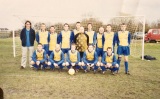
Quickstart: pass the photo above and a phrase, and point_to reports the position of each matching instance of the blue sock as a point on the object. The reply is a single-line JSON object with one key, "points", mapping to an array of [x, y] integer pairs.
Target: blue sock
{"points": [[95, 67], [118, 62], [126, 66], [103, 68], [84, 67]]}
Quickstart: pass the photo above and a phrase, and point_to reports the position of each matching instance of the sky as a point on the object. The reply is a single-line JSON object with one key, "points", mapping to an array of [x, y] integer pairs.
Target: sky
{"points": [[13, 13]]}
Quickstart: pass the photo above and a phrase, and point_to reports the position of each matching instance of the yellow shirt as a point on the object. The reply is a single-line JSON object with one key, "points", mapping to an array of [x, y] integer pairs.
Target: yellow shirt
{"points": [[53, 41], [57, 55], [123, 38], [90, 55], [76, 31], [73, 56], [66, 39], [108, 40], [91, 35], [39, 55], [43, 37], [109, 59], [99, 40]]}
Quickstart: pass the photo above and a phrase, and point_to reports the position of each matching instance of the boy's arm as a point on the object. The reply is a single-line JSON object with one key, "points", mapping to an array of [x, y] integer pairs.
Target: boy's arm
{"points": [[62, 59], [37, 37], [34, 56], [51, 57]]}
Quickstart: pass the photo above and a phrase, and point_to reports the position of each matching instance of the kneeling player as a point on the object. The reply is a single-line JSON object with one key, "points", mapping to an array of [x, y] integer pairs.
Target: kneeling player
{"points": [[90, 58], [109, 61], [56, 58], [73, 58], [39, 57]]}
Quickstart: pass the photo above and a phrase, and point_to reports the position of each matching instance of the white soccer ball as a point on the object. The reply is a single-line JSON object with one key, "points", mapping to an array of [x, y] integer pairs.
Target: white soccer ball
{"points": [[71, 71]]}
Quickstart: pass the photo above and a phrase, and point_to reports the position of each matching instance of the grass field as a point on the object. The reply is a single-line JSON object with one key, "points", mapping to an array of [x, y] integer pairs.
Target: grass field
{"points": [[143, 83]]}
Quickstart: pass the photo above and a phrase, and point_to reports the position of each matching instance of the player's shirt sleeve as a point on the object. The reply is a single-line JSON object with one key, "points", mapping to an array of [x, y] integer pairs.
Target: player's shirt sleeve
{"points": [[68, 58], [51, 57], [95, 58], [72, 37], [129, 38], [103, 59], [84, 58], [34, 56], [94, 38], [37, 37], [60, 38], [48, 39], [62, 59], [78, 60]]}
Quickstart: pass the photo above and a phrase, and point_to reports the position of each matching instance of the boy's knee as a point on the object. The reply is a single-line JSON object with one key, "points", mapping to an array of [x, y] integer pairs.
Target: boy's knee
{"points": [[32, 62]]}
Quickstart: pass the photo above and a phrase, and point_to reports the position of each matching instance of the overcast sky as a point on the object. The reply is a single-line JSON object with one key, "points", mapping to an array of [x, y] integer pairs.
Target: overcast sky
{"points": [[13, 14]]}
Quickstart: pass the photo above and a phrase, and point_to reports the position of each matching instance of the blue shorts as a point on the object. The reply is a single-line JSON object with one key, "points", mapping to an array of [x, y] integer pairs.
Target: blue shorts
{"points": [[65, 50], [123, 50], [99, 51], [49, 53]]}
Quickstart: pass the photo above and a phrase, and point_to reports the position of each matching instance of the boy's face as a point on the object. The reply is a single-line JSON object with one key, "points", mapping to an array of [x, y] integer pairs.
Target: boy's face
{"points": [[57, 47], [82, 29], [52, 29], [109, 51], [108, 28], [39, 47], [89, 26], [78, 25], [66, 27], [90, 48], [101, 30], [43, 27], [123, 27], [28, 25], [73, 47]]}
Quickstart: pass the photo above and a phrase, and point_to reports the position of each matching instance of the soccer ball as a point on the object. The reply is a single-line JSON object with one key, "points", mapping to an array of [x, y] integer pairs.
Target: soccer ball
{"points": [[71, 71]]}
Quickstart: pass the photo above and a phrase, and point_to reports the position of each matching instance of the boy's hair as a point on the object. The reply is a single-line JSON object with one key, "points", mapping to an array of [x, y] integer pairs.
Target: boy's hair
{"points": [[73, 44], [43, 24], [109, 48], [109, 25], [52, 26], [89, 23], [123, 24], [40, 44], [78, 22], [28, 22], [66, 24]]}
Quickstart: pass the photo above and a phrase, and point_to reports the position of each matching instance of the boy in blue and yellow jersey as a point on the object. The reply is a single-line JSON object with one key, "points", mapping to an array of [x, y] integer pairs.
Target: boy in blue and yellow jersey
{"points": [[43, 37], [66, 38], [91, 34], [108, 38], [99, 48], [109, 61], [39, 57], [123, 39], [53, 40], [56, 58], [90, 59], [77, 30], [73, 58]]}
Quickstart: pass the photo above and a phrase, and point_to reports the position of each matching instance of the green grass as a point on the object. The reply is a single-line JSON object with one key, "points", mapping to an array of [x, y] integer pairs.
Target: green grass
{"points": [[143, 83]]}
